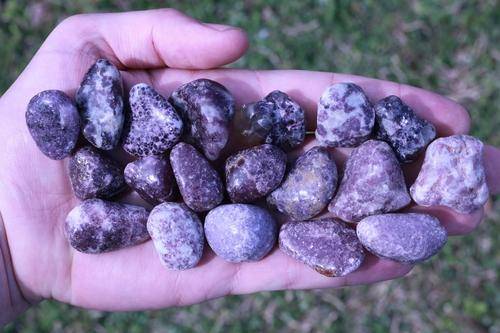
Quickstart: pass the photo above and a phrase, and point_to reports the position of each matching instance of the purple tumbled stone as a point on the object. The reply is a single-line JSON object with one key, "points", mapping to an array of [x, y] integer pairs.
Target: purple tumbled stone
{"points": [[329, 246], [373, 183], [97, 226], [253, 173], [54, 123], [200, 185], [407, 238], [452, 175], [240, 232]]}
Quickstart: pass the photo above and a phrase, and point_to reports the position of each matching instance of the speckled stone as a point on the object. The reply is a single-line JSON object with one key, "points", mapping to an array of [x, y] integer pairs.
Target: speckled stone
{"points": [[407, 238], [373, 183], [97, 226], [100, 102], [240, 232], [94, 175], [177, 234], [399, 126], [276, 119], [452, 175], [153, 125], [253, 173], [54, 123], [152, 178], [345, 116], [206, 107], [308, 187], [200, 185], [327, 245]]}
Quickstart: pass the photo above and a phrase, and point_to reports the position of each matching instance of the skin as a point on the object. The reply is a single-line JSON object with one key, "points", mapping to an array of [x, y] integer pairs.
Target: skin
{"points": [[163, 48]]}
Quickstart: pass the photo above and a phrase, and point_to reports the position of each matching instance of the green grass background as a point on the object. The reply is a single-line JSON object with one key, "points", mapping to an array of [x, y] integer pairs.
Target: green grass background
{"points": [[448, 46]]}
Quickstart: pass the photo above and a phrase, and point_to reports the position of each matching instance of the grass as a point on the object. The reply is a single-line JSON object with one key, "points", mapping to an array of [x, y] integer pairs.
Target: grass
{"points": [[448, 46]]}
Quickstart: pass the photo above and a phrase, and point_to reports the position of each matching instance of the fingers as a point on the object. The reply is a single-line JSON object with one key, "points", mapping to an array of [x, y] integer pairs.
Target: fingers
{"points": [[492, 166]]}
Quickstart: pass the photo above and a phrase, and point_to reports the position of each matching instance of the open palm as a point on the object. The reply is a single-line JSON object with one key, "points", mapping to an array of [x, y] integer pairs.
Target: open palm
{"points": [[164, 48]]}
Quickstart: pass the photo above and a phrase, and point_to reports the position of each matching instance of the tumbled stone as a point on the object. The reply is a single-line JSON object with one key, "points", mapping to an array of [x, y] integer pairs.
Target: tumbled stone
{"points": [[373, 183], [399, 126], [100, 102], [452, 175], [152, 178], [329, 246], [153, 125], [97, 226], [94, 175], [276, 119], [407, 238], [345, 116], [253, 173], [177, 235], [308, 187], [54, 123], [240, 232], [200, 185], [206, 107]]}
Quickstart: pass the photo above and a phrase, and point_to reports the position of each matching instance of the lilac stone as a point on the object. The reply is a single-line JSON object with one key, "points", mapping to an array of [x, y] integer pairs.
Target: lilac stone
{"points": [[373, 183], [407, 238], [345, 116], [54, 123], [329, 246], [240, 232], [97, 226], [177, 234]]}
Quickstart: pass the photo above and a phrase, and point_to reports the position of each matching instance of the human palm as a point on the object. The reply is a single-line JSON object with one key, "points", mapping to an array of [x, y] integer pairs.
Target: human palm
{"points": [[164, 49]]}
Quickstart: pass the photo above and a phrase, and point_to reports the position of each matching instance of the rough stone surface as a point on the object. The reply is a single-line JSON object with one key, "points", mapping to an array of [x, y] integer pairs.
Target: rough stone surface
{"points": [[153, 126], [97, 226], [206, 107], [94, 175], [373, 183], [100, 102], [152, 178], [276, 119], [308, 187], [240, 232], [452, 175], [345, 116], [200, 185], [54, 123], [398, 125], [407, 238], [177, 234], [326, 245], [253, 173]]}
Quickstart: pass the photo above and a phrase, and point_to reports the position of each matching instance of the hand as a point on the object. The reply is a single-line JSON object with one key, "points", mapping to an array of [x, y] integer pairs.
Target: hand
{"points": [[164, 48]]}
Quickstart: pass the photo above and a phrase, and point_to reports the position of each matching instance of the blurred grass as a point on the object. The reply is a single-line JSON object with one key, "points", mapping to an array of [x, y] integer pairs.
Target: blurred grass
{"points": [[452, 47]]}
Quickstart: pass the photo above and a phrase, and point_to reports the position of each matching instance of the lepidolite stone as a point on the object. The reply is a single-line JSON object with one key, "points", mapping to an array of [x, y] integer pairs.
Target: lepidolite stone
{"points": [[100, 102], [152, 178], [200, 185], [54, 123], [97, 226], [153, 126], [407, 238], [345, 116], [373, 183], [253, 173], [206, 107], [276, 119], [452, 175], [308, 187], [94, 175], [398, 125], [240, 232], [327, 245], [177, 234]]}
